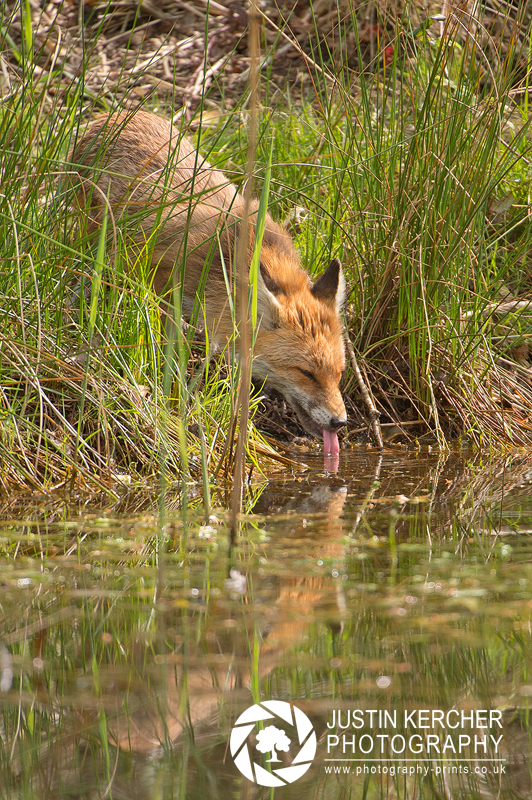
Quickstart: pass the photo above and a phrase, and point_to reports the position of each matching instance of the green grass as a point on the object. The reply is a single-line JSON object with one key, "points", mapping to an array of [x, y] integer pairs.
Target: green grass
{"points": [[400, 171]]}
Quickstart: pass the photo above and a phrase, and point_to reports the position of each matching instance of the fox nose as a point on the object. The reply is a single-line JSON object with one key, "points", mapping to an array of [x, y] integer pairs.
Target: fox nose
{"points": [[335, 423]]}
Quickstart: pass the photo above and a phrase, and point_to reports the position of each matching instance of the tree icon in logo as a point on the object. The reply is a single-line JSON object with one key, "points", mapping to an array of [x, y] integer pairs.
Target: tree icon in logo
{"points": [[271, 738]]}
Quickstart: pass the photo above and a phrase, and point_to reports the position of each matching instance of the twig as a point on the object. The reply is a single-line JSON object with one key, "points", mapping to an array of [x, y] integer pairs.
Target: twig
{"points": [[373, 413], [204, 79], [500, 308]]}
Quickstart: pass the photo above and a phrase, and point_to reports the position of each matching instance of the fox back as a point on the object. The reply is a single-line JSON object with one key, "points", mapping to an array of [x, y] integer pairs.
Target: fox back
{"points": [[165, 196]]}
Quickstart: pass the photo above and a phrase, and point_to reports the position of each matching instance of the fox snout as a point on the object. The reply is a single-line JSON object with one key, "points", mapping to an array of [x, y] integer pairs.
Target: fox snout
{"points": [[335, 423], [315, 416]]}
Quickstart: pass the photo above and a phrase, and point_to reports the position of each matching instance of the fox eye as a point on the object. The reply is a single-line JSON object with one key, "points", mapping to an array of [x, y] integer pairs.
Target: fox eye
{"points": [[308, 374]]}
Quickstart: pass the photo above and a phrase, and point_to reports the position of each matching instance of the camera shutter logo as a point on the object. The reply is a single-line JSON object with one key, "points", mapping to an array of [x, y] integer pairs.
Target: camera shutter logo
{"points": [[272, 739]]}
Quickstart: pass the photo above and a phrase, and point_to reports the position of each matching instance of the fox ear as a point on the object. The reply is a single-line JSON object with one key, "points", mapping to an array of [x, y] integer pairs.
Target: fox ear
{"points": [[267, 304], [330, 286]]}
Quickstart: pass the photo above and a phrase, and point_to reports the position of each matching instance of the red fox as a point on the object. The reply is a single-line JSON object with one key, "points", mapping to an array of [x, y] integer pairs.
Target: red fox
{"points": [[158, 186]]}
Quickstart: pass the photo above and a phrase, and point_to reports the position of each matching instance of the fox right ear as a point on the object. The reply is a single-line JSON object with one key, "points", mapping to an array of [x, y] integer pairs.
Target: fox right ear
{"points": [[330, 286]]}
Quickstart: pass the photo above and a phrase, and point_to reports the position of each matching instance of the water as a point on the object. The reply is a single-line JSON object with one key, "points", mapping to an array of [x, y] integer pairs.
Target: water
{"points": [[389, 602]]}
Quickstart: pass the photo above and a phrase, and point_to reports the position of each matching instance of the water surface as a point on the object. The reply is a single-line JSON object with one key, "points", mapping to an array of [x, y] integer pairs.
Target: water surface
{"points": [[131, 644]]}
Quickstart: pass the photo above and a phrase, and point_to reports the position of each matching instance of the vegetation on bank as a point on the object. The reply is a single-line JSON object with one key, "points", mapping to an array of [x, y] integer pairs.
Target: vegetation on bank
{"points": [[414, 171]]}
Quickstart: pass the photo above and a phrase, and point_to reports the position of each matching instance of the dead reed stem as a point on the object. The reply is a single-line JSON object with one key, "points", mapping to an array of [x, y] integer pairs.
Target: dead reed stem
{"points": [[242, 314], [373, 413]]}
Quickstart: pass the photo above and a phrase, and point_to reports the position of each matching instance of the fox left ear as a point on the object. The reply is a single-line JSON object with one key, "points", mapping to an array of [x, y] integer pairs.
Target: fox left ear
{"points": [[330, 286], [267, 303]]}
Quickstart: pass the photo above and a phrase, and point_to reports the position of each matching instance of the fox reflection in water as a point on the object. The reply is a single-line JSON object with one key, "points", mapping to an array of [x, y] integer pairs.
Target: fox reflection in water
{"points": [[218, 666], [196, 691]]}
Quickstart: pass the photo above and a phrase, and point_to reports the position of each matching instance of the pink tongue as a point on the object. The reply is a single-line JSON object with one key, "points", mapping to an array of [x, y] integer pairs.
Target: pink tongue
{"points": [[330, 443]]}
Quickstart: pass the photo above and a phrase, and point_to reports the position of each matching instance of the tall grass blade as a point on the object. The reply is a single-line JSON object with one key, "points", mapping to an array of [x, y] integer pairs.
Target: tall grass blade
{"points": [[259, 234]]}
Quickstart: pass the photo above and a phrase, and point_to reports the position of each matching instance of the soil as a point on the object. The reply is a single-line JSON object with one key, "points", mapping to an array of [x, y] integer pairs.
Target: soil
{"points": [[179, 48]]}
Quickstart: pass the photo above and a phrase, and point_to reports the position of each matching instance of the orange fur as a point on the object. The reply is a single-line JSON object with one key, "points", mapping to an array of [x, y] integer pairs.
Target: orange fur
{"points": [[162, 192]]}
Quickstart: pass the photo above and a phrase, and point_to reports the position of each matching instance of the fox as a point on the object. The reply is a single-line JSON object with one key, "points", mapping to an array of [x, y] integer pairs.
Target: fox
{"points": [[157, 186]]}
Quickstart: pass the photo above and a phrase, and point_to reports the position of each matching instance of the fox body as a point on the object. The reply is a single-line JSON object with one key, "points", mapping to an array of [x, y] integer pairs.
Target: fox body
{"points": [[160, 189]]}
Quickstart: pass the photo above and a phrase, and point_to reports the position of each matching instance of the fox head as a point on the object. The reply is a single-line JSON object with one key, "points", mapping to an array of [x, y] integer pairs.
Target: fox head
{"points": [[299, 347]]}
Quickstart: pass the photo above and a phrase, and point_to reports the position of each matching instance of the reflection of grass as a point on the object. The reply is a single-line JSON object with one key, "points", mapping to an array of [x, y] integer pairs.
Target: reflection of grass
{"points": [[115, 638], [401, 174]]}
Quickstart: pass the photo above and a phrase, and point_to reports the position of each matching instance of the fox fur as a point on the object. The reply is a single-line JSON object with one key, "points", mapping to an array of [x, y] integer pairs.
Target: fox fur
{"points": [[164, 195]]}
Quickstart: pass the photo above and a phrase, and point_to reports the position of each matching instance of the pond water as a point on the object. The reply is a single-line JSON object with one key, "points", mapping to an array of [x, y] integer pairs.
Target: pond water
{"points": [[387, 606]]}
